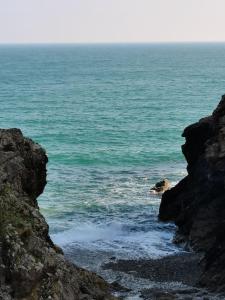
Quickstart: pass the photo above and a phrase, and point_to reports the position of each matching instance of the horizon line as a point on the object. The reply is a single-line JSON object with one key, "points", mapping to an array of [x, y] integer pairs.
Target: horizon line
{"points": [[112, 43]]}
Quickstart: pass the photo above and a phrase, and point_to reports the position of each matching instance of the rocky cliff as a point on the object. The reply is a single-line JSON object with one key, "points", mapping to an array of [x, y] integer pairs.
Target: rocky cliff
{"points": [[31, 266], [197, 203]]}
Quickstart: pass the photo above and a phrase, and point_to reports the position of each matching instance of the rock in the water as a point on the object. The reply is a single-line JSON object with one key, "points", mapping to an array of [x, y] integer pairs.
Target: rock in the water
{"points": [[161, 186], [197, 203], [31, 266]]}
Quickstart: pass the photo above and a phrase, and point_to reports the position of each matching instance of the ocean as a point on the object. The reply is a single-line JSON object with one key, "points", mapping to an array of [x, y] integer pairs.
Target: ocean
{"points": [[110, 118]]}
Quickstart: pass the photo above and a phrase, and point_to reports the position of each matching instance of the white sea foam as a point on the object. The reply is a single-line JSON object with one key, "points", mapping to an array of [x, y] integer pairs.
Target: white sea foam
{"points": [[121, 220], [115, 238]]}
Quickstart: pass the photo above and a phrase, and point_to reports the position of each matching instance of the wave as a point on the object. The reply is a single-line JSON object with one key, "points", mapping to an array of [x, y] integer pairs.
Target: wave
{"points": [[124, 241]]}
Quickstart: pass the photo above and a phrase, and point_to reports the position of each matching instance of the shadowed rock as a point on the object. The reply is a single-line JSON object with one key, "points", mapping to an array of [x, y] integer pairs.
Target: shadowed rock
{"points": [[197, 203], [31, 266]]}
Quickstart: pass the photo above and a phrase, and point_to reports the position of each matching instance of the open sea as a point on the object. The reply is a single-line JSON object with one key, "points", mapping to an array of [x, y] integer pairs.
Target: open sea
{"points": [[110, 118]]}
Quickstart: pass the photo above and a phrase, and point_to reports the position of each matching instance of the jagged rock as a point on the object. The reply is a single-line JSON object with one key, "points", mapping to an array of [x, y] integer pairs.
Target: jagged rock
{"points": [[197, 203], [31, 266], [161, 186]]}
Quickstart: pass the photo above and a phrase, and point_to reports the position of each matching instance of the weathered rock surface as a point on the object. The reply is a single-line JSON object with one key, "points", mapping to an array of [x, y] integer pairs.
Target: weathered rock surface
{"points": [[197, 203], [31, 266], [161, 186]]}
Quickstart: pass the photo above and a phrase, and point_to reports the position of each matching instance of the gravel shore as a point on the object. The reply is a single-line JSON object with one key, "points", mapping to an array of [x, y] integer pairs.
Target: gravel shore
{"points": [[176, 276]]}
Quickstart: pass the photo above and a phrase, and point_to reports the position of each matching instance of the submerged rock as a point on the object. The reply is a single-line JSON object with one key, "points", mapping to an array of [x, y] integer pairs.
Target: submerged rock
{"points": [[31, 266], [161, 186], [197, 203]]}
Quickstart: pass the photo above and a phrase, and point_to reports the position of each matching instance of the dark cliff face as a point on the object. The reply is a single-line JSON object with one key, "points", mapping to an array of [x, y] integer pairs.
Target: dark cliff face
{"points": [[31, 266], [197, 203]]}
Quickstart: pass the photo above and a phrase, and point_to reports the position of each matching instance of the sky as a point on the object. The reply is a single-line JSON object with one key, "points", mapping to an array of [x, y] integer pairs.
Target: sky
{"points": [[111, 21]]}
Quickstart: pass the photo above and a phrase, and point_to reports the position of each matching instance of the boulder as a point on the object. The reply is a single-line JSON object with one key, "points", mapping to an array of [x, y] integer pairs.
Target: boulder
{"points": [[197, 203], [161, 186], [31, 266]]}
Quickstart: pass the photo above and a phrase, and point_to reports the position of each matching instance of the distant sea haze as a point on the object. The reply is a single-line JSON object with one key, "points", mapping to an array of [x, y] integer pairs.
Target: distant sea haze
{"points": [[110, 118]]}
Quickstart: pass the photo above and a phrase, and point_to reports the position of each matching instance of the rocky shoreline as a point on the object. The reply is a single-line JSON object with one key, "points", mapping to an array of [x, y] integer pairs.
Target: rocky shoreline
{"points": [[31, 266], [169, 278], [197, 206], [197, 203]]}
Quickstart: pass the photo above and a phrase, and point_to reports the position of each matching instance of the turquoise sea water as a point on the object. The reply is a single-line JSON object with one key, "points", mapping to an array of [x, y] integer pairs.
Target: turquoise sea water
{"points": [[110, 118]]}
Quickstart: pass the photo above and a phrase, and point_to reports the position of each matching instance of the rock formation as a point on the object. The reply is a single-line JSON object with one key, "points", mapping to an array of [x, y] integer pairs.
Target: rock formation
{"points": [[197, 203], [31, 266], [161, 186]]}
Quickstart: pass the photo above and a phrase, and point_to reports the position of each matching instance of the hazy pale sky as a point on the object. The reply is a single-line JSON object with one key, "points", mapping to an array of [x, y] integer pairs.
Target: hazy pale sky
{"points": [[86, 21]]}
